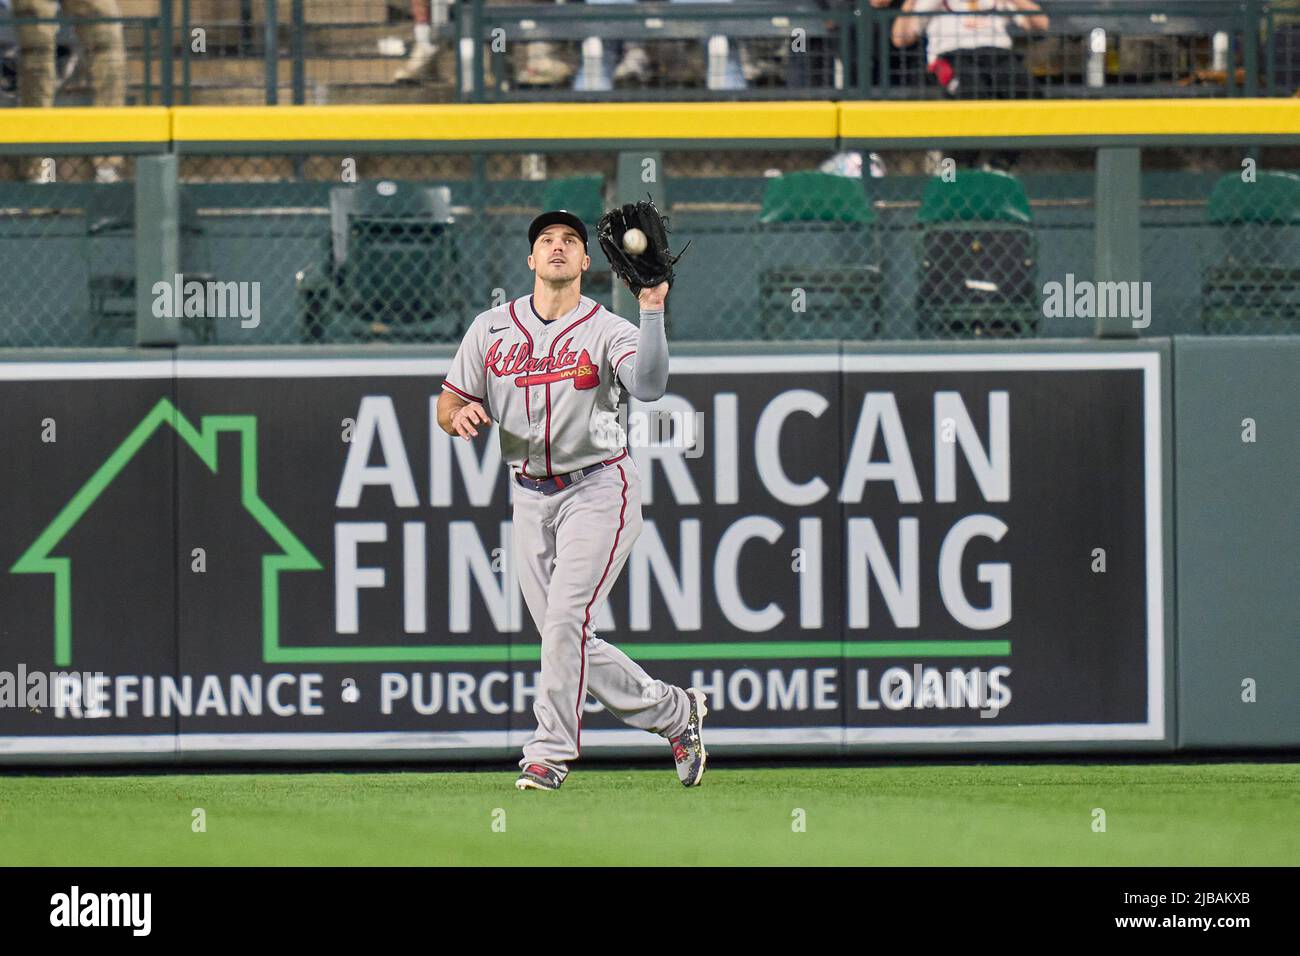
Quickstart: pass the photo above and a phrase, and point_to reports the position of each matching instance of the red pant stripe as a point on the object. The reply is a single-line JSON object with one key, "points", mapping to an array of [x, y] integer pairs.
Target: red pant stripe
{"points": [[586, 619]]}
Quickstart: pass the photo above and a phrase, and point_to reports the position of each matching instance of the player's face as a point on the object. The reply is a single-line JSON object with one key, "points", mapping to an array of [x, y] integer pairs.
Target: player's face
{"points": [[559, 255]]}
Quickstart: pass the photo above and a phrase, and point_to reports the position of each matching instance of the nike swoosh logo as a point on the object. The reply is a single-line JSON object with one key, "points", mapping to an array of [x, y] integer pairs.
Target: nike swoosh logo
{"points": [[502, 329]]}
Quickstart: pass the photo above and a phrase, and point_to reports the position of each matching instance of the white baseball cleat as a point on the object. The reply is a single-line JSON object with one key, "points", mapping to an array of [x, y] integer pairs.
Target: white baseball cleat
{"points": [[688, 747], [537, 776]]}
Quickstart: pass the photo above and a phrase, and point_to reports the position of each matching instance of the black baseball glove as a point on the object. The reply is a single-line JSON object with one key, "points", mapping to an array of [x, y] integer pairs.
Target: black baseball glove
{"points": [[646, 269]]}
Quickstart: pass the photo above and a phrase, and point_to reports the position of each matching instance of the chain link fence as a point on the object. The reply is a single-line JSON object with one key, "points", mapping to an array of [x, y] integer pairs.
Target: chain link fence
{"points": [[67, 244], [1221, 242], [786, 245]]}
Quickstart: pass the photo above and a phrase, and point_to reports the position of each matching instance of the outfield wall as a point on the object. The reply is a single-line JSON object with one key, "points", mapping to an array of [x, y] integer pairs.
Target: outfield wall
{"points": [[1056, 547], [1238, 531]]}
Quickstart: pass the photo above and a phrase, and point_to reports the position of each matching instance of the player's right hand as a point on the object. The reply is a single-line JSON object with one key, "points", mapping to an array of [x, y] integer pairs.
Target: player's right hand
{"points": [[466, 417]]}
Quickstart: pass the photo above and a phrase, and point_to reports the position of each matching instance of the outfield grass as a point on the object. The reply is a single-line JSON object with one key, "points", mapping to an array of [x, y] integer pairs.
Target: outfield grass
{"points": [[1160, 814]]}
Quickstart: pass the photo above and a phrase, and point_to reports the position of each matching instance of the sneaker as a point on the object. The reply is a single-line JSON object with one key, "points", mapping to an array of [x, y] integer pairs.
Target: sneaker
{"points": [[541, 68], [634, 67], [419, 66], [538, 776], [688, 748], [758, 68]]}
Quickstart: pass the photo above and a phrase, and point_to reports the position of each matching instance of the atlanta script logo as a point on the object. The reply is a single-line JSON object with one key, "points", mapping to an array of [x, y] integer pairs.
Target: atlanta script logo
{"points": [[529, 372]]}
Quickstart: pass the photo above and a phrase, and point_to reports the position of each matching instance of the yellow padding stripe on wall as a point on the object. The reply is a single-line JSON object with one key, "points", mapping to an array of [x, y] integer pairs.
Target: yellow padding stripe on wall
{"points": [[653, 121], [506, 121], [87, 124], [1070, 118]]}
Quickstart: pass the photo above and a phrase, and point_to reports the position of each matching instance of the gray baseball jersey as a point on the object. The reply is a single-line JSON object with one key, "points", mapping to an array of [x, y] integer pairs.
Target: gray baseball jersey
{"points": [[552, 387]]}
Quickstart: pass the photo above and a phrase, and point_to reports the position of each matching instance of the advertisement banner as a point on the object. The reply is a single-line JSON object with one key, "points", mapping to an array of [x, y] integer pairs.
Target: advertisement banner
{"points": [[213, 557]]}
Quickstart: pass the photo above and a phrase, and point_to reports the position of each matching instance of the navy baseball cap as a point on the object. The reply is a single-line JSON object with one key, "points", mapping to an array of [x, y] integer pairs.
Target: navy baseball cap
{"points": [[556, 217]]}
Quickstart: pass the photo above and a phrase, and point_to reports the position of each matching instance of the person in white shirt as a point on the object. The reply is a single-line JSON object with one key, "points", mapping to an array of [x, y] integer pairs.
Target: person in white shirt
{"points": [[904, 65], [969, 51]]}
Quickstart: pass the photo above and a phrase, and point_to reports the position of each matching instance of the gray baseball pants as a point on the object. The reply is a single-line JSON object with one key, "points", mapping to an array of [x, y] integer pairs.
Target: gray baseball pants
{"points": [[569, 549]]}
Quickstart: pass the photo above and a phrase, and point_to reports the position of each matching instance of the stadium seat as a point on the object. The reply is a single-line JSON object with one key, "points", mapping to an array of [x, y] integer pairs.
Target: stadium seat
{"points": [[1255, 284], [978, 258], [815, 234], [391, 271]]}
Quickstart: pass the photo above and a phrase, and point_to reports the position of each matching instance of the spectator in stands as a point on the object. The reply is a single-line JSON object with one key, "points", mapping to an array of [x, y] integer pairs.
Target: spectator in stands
{"points": [[728, 63], [969, 52], [541, 63], [633, 67], [102, 44], [534, 64], [723, 66], [65, 57], [1286, 45], [905, 65], [420, 65]]}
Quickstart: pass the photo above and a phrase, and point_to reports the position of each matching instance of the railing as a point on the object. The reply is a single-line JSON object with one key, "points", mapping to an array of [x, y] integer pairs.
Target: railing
{"points": [[703, 49], [142, 40], [328, 52]]}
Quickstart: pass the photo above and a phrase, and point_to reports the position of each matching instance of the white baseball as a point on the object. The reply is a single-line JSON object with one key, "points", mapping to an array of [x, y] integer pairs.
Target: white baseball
{"points": [[634, 242]]}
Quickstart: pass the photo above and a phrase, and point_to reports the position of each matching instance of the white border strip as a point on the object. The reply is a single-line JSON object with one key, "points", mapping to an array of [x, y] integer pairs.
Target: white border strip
{"points": [[97, 744], [1000, 361], [395, 740], [1154, 479], [311, 368], [911, 362], [164, 368], [1012, 733], [377, 740], [742, 364], [592, 739], [59, 371]]}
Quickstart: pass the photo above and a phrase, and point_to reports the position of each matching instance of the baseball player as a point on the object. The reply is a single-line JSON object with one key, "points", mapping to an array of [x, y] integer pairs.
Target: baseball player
{"points": [[549, 369]]}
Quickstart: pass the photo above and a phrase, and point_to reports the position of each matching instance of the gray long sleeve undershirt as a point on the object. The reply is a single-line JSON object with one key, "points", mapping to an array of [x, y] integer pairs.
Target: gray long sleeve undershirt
{"points": [[645, 374]]}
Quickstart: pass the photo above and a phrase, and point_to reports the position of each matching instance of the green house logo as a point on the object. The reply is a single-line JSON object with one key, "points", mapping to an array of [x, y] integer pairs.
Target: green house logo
{"points": [[291, 556]]}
